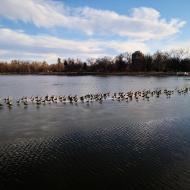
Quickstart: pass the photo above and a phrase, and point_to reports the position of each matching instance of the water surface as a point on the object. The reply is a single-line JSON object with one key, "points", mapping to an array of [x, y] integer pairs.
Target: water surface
{"points": [[135, 145]]}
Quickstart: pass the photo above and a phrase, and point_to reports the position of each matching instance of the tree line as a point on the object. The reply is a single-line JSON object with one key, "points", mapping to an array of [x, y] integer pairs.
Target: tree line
{"points": [[171, 61]]}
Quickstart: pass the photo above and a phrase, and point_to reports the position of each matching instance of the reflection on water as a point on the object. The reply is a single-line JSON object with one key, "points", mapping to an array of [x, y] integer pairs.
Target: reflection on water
{"points": [[41, 85], [135, 145]]}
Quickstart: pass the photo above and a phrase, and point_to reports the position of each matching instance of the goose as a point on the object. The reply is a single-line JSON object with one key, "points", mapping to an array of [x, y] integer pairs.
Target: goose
{"points": [[9, 103], [38, 102], [1, 104], [18, 102]]}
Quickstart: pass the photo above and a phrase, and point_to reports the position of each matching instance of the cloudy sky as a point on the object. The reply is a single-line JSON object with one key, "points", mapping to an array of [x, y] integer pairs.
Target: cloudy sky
{"points": [[47, 29]]}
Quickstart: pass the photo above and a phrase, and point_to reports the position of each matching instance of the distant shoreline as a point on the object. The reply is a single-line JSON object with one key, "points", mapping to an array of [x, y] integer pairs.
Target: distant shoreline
{"points": [[100, 74]]}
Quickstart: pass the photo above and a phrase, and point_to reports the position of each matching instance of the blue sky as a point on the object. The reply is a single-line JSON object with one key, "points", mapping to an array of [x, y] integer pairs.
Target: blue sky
{"points": [[47, 29]]}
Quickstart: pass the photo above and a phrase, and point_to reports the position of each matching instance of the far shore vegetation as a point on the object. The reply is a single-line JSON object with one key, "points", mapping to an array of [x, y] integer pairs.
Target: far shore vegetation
{"points": [[125, 63]]}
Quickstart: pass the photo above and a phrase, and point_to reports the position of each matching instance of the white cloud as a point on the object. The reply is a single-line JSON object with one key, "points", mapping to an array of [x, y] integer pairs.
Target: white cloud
{"points": [[143, 23], [185, 45], [17, 44], [139, 28]]}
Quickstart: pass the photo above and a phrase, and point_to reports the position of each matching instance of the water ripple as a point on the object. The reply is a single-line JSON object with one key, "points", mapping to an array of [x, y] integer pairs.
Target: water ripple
{"points": [[125, 154]]}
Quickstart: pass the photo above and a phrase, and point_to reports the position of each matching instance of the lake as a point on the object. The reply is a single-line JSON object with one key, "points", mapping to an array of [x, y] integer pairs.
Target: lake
{"points": [[122, 145]]}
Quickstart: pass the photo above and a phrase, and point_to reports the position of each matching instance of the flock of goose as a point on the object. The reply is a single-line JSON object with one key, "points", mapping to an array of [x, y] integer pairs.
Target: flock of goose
{"points": [[99, 97]]}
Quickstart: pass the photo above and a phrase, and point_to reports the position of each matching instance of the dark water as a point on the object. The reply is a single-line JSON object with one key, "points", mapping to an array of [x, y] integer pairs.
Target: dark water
{"points": [[135, 145]]}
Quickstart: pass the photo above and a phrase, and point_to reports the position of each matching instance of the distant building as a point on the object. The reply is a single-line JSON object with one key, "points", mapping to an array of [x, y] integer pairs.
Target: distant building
{"points": [[137, 61], [137, 57]]}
